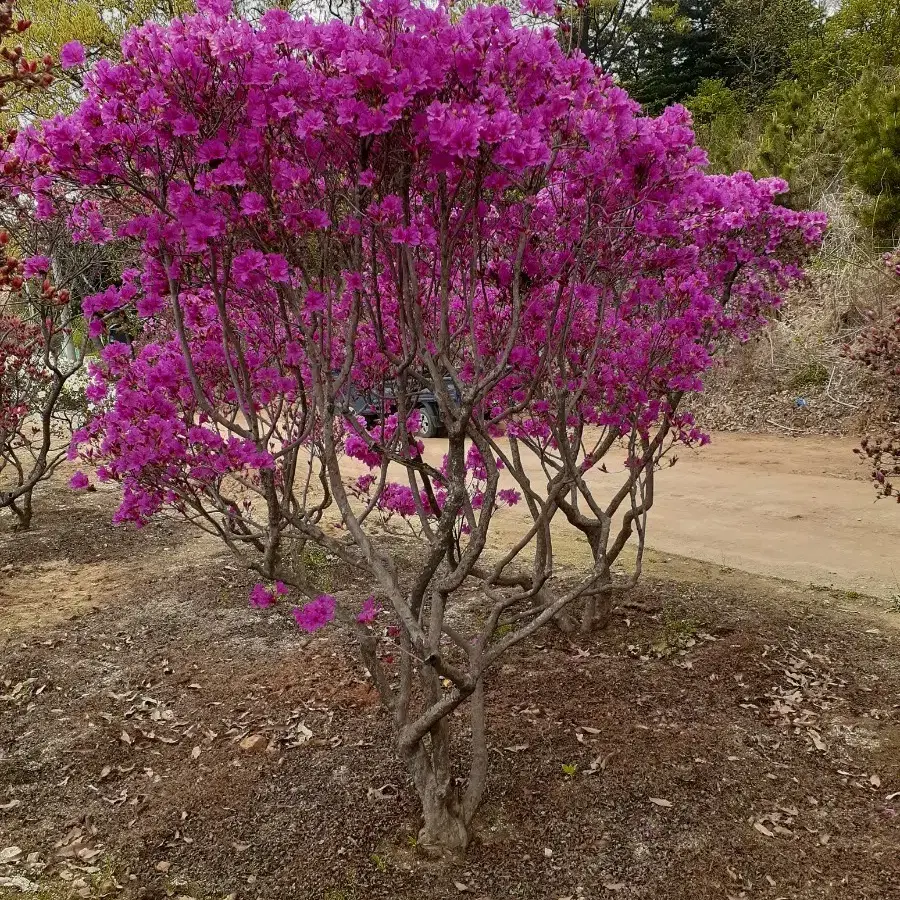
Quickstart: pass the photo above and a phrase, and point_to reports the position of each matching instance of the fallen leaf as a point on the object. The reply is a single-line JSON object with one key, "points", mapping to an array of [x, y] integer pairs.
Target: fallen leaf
{"points": [[658, 801], [195, 753], [126, 738], [763, 830], [462, 888], [516, 748], [893, 796], [875, 781], [5, 807], [615, 885], [587, 729], [385, 792], [253, 743], [818, 743], [163, 866]]}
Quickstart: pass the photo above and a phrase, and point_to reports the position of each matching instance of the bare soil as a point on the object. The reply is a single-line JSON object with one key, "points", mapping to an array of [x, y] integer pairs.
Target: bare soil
{"points": [[739, 737]]}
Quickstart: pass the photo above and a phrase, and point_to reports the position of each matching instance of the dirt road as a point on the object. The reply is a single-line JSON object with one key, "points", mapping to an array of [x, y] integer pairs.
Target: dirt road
{"points": [[796, 508]]}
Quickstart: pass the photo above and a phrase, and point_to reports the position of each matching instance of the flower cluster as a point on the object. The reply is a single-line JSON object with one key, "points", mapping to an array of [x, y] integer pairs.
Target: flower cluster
{"points": [[316, 614]]}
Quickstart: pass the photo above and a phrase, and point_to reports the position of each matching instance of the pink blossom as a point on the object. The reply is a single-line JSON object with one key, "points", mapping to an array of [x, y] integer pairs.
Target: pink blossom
{"points": [[261, 596], [79, 481], [71, 55], [539, 7], [227, 208], [369, 611], [314, 301], [35, 265], [316, 614], [252, 204]]}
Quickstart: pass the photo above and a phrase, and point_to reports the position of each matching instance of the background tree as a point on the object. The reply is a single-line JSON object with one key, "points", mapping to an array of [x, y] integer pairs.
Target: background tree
{"points": [[38, 356], [674, 47], [98, 25], [721, 122], [872, 114], [763, 36]]}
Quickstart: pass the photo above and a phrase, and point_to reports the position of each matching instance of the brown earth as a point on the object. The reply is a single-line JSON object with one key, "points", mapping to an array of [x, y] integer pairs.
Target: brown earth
{"points": [[740, 739]]}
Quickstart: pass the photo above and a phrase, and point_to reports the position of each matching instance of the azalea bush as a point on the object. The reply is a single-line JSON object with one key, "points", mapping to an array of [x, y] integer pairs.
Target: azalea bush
{"points": [[34, 427], [37, 355], [319, 213]]}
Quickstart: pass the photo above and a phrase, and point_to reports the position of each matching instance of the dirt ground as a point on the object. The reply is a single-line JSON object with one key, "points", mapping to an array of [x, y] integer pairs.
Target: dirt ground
{"points": [[740, 738]]}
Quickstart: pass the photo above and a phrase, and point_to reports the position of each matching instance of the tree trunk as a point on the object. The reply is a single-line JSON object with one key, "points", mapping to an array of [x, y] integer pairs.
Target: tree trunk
{"points": [[598, 604], [22, 512], [443, 828], [597, 612], [67, 354]]}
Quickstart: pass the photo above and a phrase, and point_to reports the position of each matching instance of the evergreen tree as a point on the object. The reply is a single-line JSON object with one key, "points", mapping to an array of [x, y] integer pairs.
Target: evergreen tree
{"points": [[874, 163], [677, 46]]}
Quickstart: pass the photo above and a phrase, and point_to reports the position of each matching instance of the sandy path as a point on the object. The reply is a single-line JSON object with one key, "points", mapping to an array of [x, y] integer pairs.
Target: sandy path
{"points": [[796, 508]]}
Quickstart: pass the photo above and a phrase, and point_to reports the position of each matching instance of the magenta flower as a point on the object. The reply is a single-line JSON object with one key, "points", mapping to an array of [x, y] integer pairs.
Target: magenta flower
{"points": [[314, 301], [261, 597], [252, 204], [36, 265], [315, 614], [215, 7], [79, 482], [369, 611], [71, 55], [539, 7]]}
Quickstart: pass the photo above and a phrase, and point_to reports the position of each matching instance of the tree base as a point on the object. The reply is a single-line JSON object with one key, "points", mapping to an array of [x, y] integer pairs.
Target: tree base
{"points": [[443, 835]]}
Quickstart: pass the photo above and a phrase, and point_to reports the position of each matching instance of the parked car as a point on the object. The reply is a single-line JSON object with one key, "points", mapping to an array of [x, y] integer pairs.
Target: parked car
{"points": [[372, 405]]}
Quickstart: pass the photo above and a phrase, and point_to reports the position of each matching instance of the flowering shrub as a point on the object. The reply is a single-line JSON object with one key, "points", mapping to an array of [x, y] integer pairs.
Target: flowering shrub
{"points": [[404, 204], [35, 321], [879, 350], [37, 408]]}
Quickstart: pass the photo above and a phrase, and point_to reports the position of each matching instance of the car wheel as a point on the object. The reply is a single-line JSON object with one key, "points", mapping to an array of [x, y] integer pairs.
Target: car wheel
{"points": [[428, 422]]}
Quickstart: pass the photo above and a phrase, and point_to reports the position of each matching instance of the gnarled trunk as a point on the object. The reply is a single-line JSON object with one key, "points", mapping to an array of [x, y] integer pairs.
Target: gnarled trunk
{"points": [[444, 828], [447, 813], [22, 511]]}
